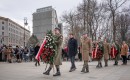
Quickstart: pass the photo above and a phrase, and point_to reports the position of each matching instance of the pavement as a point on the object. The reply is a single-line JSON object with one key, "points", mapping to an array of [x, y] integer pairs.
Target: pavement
{"points": [[27, 71]]}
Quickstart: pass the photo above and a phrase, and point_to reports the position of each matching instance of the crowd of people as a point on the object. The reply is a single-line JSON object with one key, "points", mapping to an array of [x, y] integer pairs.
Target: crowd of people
{"points": [[18, 54], [96, 50], [86, 50]]}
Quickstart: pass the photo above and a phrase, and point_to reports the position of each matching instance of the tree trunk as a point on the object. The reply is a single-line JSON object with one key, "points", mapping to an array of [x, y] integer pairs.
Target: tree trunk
{"points": [[114, 27]]}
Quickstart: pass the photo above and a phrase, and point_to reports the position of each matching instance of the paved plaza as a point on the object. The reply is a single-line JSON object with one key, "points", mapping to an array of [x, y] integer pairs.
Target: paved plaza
{"points": [[27, 71]]}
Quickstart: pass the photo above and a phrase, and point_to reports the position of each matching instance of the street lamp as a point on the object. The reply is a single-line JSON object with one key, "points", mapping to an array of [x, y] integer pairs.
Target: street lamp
{"points": [[25, 24]]}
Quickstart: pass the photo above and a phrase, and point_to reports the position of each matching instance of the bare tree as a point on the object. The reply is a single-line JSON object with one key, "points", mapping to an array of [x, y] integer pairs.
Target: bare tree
{"points": [[123, 22], [98, 19], [69, 19], [87, 11], [113, 6]]}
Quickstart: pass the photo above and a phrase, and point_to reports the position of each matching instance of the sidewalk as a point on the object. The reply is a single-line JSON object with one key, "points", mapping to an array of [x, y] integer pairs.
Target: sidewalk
{"points": [[27, 71]]}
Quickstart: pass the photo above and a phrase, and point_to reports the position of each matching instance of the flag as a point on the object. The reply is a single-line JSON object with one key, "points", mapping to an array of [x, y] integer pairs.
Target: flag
{"points": [[41, 50]]}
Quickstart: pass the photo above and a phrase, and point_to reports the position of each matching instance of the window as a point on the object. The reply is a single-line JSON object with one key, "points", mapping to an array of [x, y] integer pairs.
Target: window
{"points": [[3, 39], [2, 27], [2, 22], [9, 29], [2, 33], [9, 39], [9, 34]]}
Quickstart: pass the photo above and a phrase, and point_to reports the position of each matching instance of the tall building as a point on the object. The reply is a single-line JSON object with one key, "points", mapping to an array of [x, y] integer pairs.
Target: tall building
{"points": [[11, 33], [44, 19]]}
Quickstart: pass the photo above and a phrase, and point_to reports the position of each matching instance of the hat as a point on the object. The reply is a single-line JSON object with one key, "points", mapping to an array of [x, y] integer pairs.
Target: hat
{"points": [[85, 33], [57, 28]]}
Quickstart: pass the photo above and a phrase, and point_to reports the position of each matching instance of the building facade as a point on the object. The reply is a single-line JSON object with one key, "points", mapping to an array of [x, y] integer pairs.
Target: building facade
{"points": [[11, 33], [44, 19]]}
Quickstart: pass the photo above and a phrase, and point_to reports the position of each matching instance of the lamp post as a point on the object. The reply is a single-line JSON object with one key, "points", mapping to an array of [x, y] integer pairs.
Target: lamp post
{"points": [[25, 24]]}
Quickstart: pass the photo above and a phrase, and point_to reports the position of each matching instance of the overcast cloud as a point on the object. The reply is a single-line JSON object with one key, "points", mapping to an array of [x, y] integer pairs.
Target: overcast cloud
{"points": [[18, 9]]}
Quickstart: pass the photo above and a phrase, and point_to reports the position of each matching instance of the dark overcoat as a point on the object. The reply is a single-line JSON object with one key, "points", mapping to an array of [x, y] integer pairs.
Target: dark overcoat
{"points": [[72, 47]]}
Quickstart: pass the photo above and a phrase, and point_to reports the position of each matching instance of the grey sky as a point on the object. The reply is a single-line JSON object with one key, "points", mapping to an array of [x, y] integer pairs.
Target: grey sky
{"points": [[18, 9]]}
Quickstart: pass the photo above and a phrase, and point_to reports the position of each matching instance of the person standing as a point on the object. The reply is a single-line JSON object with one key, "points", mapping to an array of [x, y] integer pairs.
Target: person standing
{"points": [[72, 51], [36, 49], [31, 53], [57, 59], [113, 51], [3, 53], [124, 51], [99, 52], [25, 54], [86, 48], [117, 56], [106, 51], [17, 53], [8, 53]]}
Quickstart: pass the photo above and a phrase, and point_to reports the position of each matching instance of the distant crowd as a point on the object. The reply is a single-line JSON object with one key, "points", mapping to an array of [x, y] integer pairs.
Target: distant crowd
{"points": [[17, 54]]}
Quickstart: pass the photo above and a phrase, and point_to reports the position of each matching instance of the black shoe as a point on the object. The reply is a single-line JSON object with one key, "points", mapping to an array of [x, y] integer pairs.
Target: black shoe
{"points": [[46, 73], [72, 69], [9, 61], [87, 69], [83, 69], [115, 64], [57, 74]]}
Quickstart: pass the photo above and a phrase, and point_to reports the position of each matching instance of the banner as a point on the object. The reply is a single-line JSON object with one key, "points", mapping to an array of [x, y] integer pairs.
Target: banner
{"points": [[41, 50]]}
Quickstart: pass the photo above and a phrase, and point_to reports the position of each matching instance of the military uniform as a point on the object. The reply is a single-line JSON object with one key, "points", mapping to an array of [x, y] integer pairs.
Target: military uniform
{"points": [[99, 54], [106, 51], [58, 41], [117, 56], [124, 51], [86, 48], [57, 59]]}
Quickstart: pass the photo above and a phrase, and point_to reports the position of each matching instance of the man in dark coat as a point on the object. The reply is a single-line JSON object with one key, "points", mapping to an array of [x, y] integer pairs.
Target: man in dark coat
{"points": [[72, 51]]}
